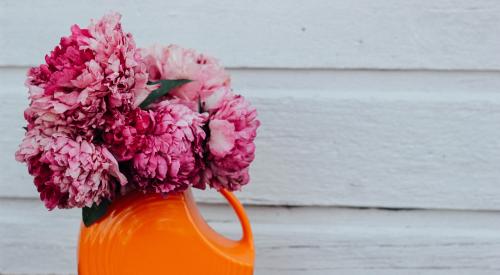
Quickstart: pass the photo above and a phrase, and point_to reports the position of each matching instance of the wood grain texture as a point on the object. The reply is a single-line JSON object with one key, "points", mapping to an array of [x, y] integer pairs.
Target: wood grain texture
{"points": [[353, 139], [381, 34], [288, 240]]}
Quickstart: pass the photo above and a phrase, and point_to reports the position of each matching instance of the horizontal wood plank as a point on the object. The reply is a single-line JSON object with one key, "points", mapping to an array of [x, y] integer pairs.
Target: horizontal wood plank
{"points": [[347, 146], [381, 34], [293, 241]]}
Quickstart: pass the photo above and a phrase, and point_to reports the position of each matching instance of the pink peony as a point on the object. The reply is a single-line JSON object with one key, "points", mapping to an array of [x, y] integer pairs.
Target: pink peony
{"points": [[230, 148], [37, 139], [91, 72], [171, 158], [126, 134], [174, 62], [69, 172]]}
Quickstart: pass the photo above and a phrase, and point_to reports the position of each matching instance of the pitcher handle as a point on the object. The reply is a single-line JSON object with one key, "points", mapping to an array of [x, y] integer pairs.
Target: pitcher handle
{"points": [[247, 237]]}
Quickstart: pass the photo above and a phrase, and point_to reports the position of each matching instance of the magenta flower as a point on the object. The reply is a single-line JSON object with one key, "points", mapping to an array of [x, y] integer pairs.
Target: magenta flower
{"points": [[171, 157], [91, 72], [125, 134], [69, 172], [175, 62], [231, 149]]}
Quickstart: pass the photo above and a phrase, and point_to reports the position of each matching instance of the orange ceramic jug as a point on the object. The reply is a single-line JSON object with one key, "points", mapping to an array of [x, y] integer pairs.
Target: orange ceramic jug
{"points": [[147, 234]]}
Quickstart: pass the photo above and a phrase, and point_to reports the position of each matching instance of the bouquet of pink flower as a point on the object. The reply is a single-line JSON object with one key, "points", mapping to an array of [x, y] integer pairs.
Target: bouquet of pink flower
{"points": [[106, 117]]}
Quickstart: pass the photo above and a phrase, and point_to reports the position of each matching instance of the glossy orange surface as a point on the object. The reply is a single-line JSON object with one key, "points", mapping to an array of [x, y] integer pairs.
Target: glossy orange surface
{"points": [[149, 234]]}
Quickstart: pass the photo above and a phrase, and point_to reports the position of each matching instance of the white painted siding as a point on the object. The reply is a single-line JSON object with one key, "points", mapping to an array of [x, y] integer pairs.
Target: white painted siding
{"points": [[416, 34], [288, 240], [364, 104]]}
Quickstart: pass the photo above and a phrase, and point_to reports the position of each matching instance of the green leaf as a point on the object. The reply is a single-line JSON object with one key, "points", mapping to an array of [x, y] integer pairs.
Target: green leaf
{"points": [[91, 214], [166, 86]]}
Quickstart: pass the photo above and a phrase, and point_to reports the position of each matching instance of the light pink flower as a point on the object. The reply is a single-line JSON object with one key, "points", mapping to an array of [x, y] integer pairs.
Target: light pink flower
{"points": [[231, 149], [69, 172], [91, 72], [37, 139], [171, 158], [174, 62], [216, 99]]}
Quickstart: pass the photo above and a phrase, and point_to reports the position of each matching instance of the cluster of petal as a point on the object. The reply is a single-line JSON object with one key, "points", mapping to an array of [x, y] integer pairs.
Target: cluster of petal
{"points": [[91, 72], [230, 148], [85, 124], [172, 154], [69, 172], [174, 62], [125, 135]]}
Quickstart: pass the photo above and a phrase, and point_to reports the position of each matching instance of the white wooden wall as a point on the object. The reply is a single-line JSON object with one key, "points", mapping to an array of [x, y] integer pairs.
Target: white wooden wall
{"points": [[379, 151]]}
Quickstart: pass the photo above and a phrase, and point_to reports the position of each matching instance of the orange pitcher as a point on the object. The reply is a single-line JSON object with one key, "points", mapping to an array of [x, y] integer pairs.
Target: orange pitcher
{"points": [[147, 234]]}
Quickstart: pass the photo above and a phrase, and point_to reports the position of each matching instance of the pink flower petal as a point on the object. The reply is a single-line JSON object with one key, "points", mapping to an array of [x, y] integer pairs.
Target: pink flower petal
{"points": [[222, 137]]}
